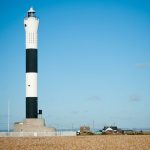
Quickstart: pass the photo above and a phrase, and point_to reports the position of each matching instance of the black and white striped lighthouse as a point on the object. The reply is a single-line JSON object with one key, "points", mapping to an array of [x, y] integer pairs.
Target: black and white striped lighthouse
{"points": [[31, 23], [34, 121]]}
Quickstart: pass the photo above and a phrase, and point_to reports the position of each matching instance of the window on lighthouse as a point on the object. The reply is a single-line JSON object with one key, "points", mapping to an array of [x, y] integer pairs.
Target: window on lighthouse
{"points": [[31, 14]]}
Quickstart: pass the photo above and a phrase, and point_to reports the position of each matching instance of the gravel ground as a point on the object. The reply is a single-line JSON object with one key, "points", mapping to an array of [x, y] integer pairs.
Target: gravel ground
{"points": [[107, 142]]}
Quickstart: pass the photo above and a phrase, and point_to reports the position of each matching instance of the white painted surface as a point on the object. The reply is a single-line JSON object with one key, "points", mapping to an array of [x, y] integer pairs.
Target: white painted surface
{"points": [[31, 10], [31, 84], [31, 27], [37, 134]]}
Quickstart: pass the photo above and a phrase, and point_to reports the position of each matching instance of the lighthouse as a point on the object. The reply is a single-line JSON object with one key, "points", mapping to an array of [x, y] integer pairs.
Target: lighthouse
{"points": [[31, 23], [34, 122]]}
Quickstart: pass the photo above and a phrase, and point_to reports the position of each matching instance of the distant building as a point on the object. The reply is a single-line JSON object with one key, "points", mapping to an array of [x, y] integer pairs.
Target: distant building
{"points": [[84, 129], [129, 132], [110, 129]]}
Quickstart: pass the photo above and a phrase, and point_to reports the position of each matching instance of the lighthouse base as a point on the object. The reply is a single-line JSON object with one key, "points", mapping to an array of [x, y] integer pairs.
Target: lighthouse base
{"points": [[32, 125]]}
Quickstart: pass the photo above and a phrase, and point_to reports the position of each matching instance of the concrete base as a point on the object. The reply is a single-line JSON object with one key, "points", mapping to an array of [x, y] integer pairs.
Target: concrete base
{"points": [[32, 125]]}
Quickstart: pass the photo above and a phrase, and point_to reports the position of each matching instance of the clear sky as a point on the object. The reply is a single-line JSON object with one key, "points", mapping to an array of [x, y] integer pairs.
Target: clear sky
{"points": [[94, 62]]}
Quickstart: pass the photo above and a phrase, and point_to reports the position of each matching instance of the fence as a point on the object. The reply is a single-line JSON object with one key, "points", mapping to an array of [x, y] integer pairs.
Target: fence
{"points": [[37, 134]]}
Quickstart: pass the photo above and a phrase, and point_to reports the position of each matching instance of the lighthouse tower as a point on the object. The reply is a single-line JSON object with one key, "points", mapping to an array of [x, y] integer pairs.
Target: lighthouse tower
{"points": [[34, 121], [31, 23]]}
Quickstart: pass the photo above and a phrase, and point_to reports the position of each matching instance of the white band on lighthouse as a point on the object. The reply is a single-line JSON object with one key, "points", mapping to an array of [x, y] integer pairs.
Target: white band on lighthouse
{"points": [[31, 84], [31, 27]]}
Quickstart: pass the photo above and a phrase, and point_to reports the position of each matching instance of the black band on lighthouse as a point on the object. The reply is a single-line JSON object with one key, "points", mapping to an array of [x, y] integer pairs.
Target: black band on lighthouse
{"points": [[31, 60], [31, 107]]}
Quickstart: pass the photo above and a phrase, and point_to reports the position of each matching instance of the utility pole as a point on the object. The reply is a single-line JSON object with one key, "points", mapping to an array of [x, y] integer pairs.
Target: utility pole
{"points": [[93, 125], [72, 127], [8, 121]]}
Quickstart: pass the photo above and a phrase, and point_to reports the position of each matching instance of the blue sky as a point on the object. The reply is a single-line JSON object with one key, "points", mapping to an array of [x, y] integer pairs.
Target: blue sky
{"points": [[94, 62]]}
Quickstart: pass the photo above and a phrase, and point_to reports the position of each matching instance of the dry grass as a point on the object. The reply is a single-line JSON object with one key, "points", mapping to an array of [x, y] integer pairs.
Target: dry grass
{"points": [[109, 142]]}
